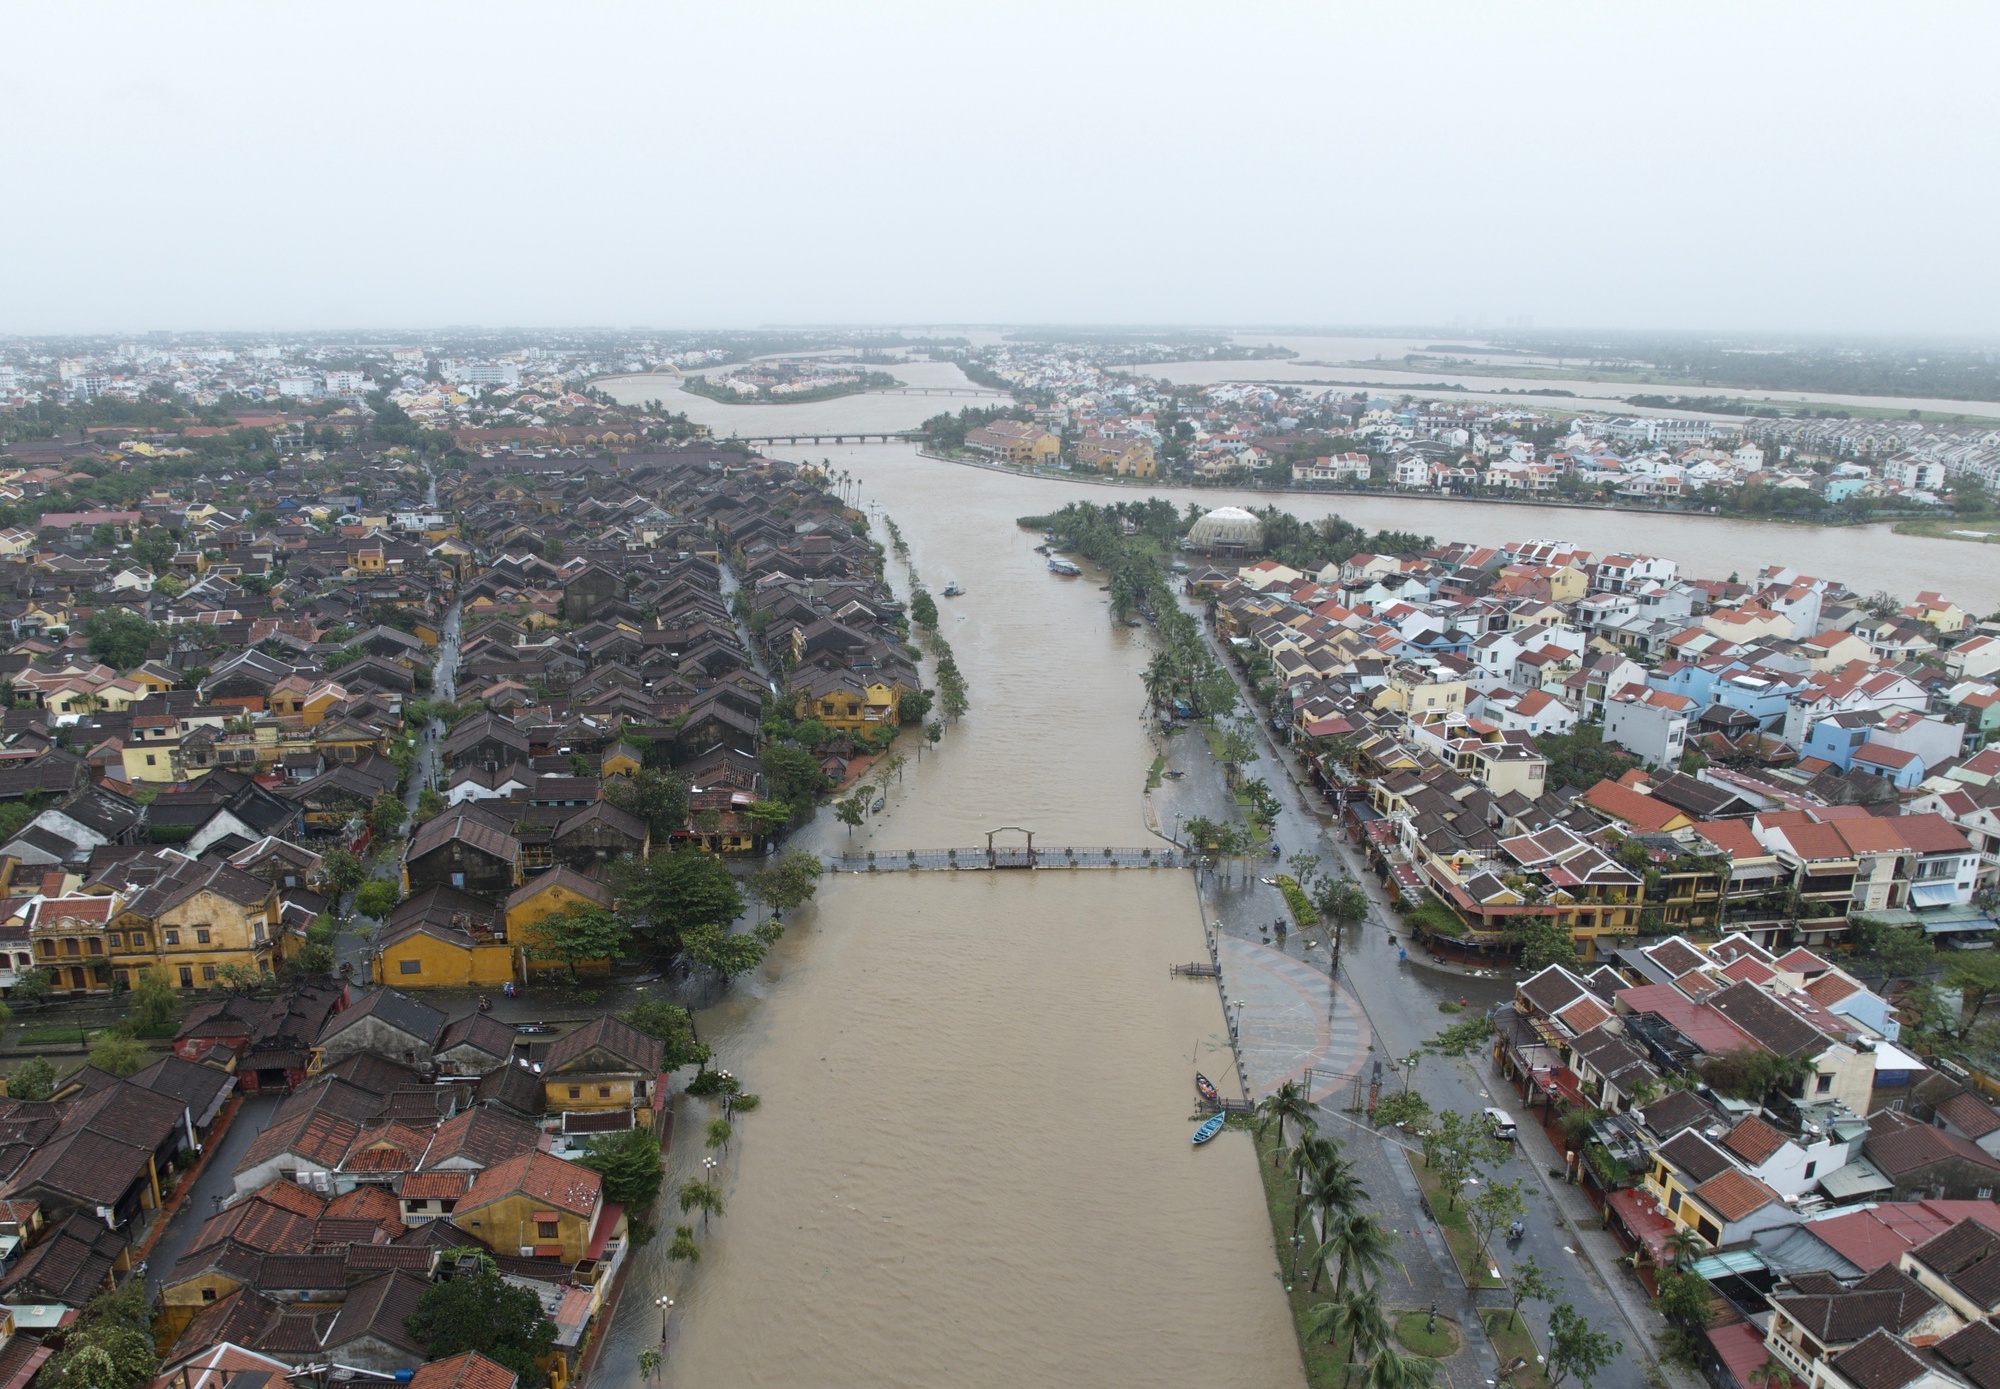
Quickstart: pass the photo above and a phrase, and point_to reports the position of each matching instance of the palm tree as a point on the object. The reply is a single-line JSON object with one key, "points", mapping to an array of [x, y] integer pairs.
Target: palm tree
{"points": [[1355, 1316], [705, 1197], [1361, 1245], [1685, 1245], [684, 1249], [1330, 1191], [1287, 1104], [1771, 1375], [1388, 1370]]}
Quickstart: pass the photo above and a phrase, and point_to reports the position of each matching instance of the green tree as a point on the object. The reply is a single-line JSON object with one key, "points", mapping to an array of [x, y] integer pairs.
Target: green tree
{"points": [[684, 1249], [923, 609], [1684, 1300], [1576, 1351], [578, 934], [309, 960], [33, 1079], [342, 872], [1402, 1107], [793, 774], [1458, 1148], [118, 1054], [1340, 899], [1532, 1280], [720, 1131], [673, 1025], [1581, 758], [705, 1197], [713, 947], [1360, 1245], [385, 815], [1355, 1317], [119, 637], [768, 817], [552, 549], [789, 882], [109, 1346], [850, 810], [659, 798], [1461, 1037], [1498, 1205], [430, 805], [482, 1311], [377, 897], [674, 893], [1286, 1105], [934, 732], [629, 1162], [155, 1006], [1543, 943], [154, 548], [1892, 951]]}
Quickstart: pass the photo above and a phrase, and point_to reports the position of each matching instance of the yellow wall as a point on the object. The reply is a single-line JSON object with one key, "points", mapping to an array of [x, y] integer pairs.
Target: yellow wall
{"points": [[508, 1226], [551, 899], [440, 964], [556, 1090]]}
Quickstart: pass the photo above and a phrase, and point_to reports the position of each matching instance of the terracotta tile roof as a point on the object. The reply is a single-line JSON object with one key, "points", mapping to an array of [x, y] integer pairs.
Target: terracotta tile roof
{"points": [[1753, 1140], [1734, 1195], [1880, 1362], [470, 1370], [1970, 1114], [541, 1177]]}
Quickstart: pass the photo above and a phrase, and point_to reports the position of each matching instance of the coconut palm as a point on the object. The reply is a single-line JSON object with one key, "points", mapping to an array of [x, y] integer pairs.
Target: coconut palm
{"points": [[1388, 1370], [1360, 1244], [1288, 1104], [1356, 1317], [1685, 1246], [1330, 1192]]}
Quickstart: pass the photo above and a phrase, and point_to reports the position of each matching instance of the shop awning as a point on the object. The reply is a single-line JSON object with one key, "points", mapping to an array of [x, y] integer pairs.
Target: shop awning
{"points": [[1643, 1222], [1730, 1261], [1932, 894]]}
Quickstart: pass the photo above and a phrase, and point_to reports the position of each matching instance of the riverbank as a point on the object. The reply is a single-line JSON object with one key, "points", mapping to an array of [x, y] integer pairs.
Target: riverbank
{"points": [[1934, 528], [706, 388]]}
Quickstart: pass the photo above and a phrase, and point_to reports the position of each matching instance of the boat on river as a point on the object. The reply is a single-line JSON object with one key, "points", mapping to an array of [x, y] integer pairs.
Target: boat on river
{"points": [[952, 590], [1063, 568], [1206, 1087], [1209, 1129]]}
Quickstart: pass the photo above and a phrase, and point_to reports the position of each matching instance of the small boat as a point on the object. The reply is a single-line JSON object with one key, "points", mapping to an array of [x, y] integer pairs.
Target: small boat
{"points": [[1063, 568], [1205, 1086], [1041, 549], [533, 1029], [1209, 1129], [952, 590], [880, 801]]}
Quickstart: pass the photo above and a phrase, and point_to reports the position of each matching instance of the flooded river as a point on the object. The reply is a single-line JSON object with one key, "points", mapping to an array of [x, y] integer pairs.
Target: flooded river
{"points": [[971, 1164], [1867, 558]]}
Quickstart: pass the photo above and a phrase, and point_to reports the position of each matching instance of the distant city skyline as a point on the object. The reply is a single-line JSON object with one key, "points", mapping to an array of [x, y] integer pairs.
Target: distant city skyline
{"points": [[1806, 169]]}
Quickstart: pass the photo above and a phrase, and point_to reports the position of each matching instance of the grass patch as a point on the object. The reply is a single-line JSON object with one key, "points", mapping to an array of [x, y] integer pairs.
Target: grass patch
{"points": [[54, 1036], [1511, 1342], [1153, 774], [1326, 1365], [1456, 1229], [1950, 528], [1412, 1329], [1445, 1005]]}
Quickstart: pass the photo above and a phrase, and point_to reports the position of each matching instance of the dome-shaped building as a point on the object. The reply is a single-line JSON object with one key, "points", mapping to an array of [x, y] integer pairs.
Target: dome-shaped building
{"points": [[1227, 529]]}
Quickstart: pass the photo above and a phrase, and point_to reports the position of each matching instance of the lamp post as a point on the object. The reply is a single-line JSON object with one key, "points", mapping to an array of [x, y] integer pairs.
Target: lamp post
{"points": [[666, 1305]]}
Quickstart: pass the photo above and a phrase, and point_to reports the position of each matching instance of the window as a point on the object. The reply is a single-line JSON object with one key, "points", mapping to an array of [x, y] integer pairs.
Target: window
{"points": [[208, 1294], [95, 946], [138, 940], [201, 935], [1823, 1085], [124, 977], [1811, 1168], [458, 880], [173, 937], [70, 947], [604, 1092], [187, 977], [1674, 1201], [576, 1092], [1706, 1229], [149, 759], [545, 1229], [117, 940], [1985, 1193], [208, 974], [410, 966], [46, 947]]}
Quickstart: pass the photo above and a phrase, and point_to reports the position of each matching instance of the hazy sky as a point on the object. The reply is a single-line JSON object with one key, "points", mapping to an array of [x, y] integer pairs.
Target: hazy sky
{"points": [[191, 165]]}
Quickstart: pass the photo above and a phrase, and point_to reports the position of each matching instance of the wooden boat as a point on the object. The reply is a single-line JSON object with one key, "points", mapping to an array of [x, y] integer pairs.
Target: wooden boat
{"points": [[1209, 1128], [1063, 568], [952, 590], [1205, 1086]]}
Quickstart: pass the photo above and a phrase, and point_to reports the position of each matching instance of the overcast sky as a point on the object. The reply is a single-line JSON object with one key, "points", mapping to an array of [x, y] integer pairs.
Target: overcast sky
{"points": [[193, 165]]}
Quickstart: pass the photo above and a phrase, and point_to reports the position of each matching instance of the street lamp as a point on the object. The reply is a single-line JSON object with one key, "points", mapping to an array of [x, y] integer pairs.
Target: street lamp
{"points": [[666, 1305]]}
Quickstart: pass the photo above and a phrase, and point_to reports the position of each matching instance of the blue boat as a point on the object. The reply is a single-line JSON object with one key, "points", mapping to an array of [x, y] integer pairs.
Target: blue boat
{"points": [[1209, 1128]]}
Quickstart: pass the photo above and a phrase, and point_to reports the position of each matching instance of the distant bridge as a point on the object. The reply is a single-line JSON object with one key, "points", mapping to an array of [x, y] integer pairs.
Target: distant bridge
{"points": [[874, 437], [944, 390]]}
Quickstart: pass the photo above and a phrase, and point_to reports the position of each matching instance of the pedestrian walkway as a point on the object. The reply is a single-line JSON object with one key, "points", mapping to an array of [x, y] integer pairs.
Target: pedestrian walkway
{"points": [[1293, 1020]]}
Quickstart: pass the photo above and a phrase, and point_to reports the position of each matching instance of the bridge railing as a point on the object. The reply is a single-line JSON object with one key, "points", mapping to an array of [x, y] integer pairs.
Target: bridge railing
{"points": [[1013, 856]]}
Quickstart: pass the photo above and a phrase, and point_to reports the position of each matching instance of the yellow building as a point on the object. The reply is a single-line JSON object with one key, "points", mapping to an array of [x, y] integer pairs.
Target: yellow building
{"points": [[199, 919], [847, 702], [533, 1206], [1415, 689], [428, 955], [605, 1064], [544, 895]]}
